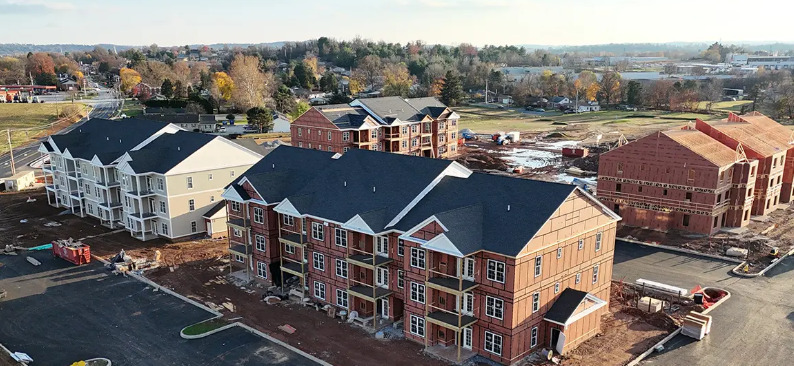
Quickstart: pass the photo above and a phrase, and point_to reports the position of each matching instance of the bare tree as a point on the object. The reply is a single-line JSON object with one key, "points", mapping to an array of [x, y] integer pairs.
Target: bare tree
{"points": [[251, 85]]}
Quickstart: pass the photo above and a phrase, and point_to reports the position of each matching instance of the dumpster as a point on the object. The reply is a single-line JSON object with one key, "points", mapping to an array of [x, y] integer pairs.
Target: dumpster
{"points": [[75, 252]]}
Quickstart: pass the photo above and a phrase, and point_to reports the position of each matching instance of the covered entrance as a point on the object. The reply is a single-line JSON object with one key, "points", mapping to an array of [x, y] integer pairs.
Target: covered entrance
{"points": [[574, 318]]}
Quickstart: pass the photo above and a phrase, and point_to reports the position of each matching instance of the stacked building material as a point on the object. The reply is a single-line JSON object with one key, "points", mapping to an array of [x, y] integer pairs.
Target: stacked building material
{"points": [[696, 325]]}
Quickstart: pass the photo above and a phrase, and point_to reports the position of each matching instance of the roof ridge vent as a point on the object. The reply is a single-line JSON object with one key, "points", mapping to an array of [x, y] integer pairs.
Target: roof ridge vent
{"points": [[178, 148], [345, 183], [274, 165], [508, 208], [373, 189]]}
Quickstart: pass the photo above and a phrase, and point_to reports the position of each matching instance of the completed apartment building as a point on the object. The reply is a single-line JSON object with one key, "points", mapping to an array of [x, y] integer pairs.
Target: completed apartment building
{"points": [[478, 263], [701, 177], [418, 126], [152, 178]]}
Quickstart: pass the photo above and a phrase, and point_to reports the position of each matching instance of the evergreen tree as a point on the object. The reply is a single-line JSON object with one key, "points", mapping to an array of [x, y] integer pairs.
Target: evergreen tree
{"points": [[261, 117], [451, 91], [167, 89]]}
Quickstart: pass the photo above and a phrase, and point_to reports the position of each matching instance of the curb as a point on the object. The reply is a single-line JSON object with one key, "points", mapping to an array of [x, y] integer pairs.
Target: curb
{"points": [[670, 336], [205, 334], [686, 251], [283, 344], [101, 359], [737, 272]]}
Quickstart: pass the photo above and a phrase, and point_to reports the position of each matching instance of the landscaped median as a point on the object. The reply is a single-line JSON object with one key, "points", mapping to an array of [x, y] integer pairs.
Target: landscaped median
{"points": [[205, 328]]}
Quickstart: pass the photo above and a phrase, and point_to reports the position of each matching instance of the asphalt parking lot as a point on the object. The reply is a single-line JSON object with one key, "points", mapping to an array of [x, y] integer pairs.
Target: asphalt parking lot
{"points": [[59, 313]]}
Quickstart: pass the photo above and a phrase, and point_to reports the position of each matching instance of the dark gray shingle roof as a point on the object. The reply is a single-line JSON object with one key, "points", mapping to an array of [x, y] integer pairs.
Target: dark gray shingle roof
{"points": [[167, 150], [565, 305], [343, 115], [392, 107], [428, 105], [108, 139]]}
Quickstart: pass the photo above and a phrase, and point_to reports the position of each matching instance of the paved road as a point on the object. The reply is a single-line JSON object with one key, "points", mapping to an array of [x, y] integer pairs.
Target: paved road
{"points": [[59, 313], [105, 106], [754, 327]]}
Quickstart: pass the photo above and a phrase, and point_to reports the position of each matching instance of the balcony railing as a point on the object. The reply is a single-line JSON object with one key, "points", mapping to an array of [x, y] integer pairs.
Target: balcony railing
{"points": [[367, 292], [143, 215], [109, 205], [239, 223], [671, 204], [453, 285], [394, 136], [104, 184], [141, 193], [449, 319]]}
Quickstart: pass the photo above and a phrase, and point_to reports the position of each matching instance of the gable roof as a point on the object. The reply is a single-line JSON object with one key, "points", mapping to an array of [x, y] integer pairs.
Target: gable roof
{"points": [[395, 107], [428, 105], [166, 151], [107, 139], [214, 210], [703, 145], [757, 136], [564, 309], [344, 116]]}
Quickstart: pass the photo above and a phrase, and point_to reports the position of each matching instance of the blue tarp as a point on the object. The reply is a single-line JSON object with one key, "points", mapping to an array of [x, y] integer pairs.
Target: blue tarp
{"points": [[42, 247]]}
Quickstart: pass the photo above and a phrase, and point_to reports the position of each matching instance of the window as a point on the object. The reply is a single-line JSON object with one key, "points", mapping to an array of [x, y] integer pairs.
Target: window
{"points": [[329, 135], [689, 196], [239, 258], [533, 338], [496, 271], [598, 240], [236, 206], [260, 243], [191, 205], [414, 128], [400, 278], [237, 232], [189, 182], [231, 173], [493, 342], [578, 278], [212, 198], [259, 215], [494, 307], [345, 149], [317, 231], [341, 268], [300, 143], [400, 247], [418, 258], [288, 220], [595, 273], [374, 134], [417, 292], [691, 174], [341, 298], [165, 228], [330, 148], [620, 167], [686, 220], [581, 244], [261, 269], [209, 176], [405, 130], [319, 290], [664, 192], [340, 237], [618, 187], [318, 261], [415, 142], [559, 253], [300, 132], [345, 136], [535, 302], [290, 249], [404, 144], [162, 206], [417, 326], [639, 189], [193, 227], [538, 265], [556, 287]]}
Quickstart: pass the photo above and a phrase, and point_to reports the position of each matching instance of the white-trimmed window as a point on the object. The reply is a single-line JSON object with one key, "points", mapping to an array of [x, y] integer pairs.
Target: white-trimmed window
{"points": [[317, 231], [598, 240], [345, 149], [261, 269], [160, 184], [493, 343], [341, 298], [559, 252], [400, 247], [578, 278], [193, 227], [329, 135], [239, 258], [533, 337], [400, 278], [417, 292], [165, 228], [235, 206], [581, 244], [538, 265], [496, 271], [260, 243], [300, 132], [494, 307], [319, 290], [259, 215], [595, 273], [556, 287], [345, 136], [189, 182], [318, 261], [340, 237], [417, 326], [288, 220], [341, 268], [209, 176], [191, 205], [418, 258], [162, 206], [535, 302], [290, 249], [237, 232]]}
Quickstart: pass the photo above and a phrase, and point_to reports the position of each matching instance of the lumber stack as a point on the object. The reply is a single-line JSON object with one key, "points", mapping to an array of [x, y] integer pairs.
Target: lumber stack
{"points": [[696, 325]]}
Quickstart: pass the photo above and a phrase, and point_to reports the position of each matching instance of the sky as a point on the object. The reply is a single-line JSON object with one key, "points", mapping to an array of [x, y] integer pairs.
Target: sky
{"points": [[451, 22]]}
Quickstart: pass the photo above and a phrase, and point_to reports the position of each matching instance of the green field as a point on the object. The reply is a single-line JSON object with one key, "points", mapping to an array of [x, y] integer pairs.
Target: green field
{"points": [[726, 107], [132, 108], [28, 121]]}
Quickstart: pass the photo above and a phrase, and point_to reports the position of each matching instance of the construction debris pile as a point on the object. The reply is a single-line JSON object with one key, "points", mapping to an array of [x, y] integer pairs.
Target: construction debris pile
{"points": [[122, 263]]}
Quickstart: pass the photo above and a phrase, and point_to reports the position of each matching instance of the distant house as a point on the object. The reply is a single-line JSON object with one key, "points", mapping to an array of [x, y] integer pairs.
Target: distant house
{"points": [[556, 102], [588, 107], [280, 122], [70, 85], [537, 102], [145, 89], [189, 122]]}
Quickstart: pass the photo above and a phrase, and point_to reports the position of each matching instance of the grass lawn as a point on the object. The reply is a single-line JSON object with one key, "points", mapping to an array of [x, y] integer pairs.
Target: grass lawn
{"points": [[132, 108], [726, 107], [204, 327], [28, 121]]}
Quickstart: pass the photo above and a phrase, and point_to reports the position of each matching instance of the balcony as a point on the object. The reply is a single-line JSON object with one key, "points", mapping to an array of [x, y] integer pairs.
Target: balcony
{"points": [[291, 238], [51, 187], [368, 293], [239, 223], [141, 193], [47, 168], [453, 285], [143, 215], [450, 320], [109, 205], [78, 194], [239, 249], [368, 260], [294, 268], [103, 184], [394, 136]]}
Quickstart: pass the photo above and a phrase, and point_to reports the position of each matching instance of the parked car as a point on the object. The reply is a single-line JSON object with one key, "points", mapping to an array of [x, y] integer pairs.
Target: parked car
{"points": [[568, 111], [468, 134], [629, 108]]}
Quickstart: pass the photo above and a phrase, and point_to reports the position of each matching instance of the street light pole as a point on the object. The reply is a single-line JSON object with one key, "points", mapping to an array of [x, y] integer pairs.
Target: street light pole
{"points": [[11, 152]]}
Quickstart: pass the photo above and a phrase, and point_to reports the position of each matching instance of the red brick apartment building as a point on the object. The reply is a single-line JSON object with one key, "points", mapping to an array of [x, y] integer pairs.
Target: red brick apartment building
{"points": [[702, 178], [465, 263], [418, 126]]}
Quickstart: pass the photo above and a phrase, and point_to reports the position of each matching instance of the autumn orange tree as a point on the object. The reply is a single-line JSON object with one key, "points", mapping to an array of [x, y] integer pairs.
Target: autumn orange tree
{"points": [[397, 80], [222, 86], [129, 78]]}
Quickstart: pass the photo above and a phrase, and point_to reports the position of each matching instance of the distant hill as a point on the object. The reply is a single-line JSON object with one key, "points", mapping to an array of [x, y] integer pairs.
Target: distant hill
{"points": [[634, 48], [23, 48]]}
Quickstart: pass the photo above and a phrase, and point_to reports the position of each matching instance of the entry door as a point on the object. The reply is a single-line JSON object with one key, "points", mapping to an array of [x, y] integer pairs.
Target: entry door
{"points": [[467, 338], [557, 340], [467, 305], [382, 246], [151, 206], [384, 308], [468, 269], [382, 277]]}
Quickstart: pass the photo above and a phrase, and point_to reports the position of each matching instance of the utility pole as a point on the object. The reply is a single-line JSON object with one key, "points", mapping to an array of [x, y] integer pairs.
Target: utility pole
{"points": [[11, 152], [486, 90]]}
